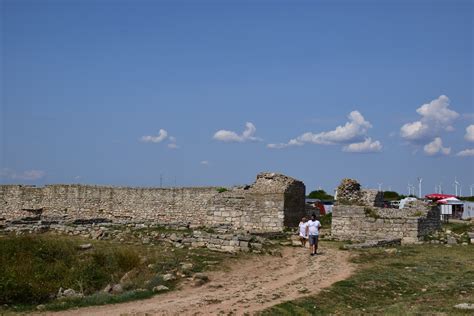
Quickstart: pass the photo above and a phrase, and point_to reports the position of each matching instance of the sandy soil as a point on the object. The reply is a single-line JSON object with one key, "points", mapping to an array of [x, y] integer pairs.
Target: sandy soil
{"points": [[250, 285]]}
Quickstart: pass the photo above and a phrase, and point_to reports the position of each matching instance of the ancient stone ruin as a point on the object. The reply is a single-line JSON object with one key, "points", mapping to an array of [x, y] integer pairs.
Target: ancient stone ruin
{"points": [[272, 202], [358, 216]]}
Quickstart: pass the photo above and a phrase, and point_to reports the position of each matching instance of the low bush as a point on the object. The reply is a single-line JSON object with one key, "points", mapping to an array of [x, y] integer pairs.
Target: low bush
{"points": [[326, 220], [370, 212]]}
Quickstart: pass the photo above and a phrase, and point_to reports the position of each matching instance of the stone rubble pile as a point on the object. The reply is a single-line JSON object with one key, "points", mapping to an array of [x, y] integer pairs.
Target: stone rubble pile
{"points": [[349, 191], [450, 238], [220, 238]]}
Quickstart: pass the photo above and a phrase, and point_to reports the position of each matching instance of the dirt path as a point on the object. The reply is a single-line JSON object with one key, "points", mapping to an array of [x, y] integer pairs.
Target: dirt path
{"points": [[250, 286]]}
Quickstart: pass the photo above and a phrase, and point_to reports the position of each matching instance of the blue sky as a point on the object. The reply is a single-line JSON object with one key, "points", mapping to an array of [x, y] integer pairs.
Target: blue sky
{"points": [[318, 90]]}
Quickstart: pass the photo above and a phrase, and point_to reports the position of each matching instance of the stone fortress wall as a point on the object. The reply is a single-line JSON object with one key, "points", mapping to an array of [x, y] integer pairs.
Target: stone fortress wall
{"points": [[358, 217], [272, 202]]}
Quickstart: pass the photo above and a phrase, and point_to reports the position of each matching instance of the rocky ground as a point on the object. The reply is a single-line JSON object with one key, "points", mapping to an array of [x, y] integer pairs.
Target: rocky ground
{"points": [[246, 287]]}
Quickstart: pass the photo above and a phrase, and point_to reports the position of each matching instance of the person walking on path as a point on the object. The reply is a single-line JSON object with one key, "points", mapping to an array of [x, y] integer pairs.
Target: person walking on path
{"points": [[302, 230], [312, 231]]}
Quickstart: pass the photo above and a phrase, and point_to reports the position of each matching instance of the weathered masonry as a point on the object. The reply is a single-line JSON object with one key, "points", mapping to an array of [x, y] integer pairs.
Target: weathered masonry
{"points": [[357, 217], [272, 202]]}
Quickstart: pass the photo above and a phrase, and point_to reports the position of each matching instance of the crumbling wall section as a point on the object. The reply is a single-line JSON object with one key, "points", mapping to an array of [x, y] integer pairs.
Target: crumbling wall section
{"points": [[260, 207], [357, 217]]}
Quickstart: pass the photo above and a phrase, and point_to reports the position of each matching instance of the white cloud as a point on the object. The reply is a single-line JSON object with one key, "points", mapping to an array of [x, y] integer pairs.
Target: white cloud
{"points": [[435, 117], [28, 175], [205, 163], [466, 153], [436, 148], [367, 146], [354, 130], [415, 130], [162, 135], [469, 133], [232, 137], [292, 142]]}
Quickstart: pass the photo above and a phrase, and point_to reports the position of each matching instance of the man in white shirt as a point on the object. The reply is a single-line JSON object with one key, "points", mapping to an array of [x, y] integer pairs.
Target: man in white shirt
{"points": [[312, 231]]}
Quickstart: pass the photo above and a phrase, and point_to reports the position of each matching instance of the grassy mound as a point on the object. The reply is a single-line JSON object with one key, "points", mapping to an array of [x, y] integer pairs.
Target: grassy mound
{"points": [[415, 280], [33, 268]]}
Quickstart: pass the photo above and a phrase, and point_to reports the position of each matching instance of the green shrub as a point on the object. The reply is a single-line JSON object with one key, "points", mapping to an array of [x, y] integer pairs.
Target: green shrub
{"points": [[326, 220], [370, 212], [221, 190]]}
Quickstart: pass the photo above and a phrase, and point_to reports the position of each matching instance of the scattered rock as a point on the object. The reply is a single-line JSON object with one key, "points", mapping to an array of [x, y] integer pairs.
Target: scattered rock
{"points": [[303, 290], [117, 289], [200, 279], [391, 250], [68, 293], [108, 288], [160, 288], [168, 277], [465, 306], [186, 266], [174, 237], [452, 240], [85, 246], [41, 307], [201, 276], [127, 277], [374, 243]]}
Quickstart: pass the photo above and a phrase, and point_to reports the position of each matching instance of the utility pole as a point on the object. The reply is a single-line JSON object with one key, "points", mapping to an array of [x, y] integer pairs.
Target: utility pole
{"points": [[471, 187], [161, 180], [380, 187]]}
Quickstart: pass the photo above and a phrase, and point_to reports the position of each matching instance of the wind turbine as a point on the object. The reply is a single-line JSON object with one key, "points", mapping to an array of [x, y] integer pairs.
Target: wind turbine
{"points": [[419, 187], [456, 183], [380, 186], [471, 187]]}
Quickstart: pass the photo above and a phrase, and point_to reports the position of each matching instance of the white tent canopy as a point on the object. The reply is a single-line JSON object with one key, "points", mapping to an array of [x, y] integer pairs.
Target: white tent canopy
{"points": [[450, 201]]}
